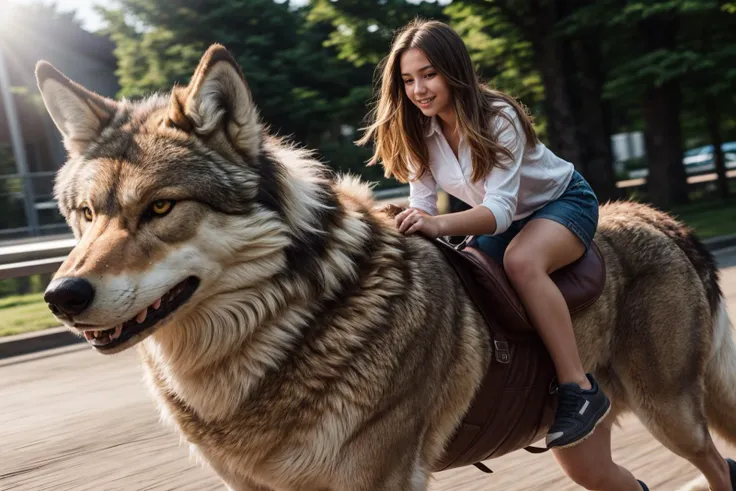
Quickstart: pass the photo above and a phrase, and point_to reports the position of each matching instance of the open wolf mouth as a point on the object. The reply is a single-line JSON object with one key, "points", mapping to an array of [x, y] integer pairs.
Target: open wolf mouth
{"points": [[107, 339]]}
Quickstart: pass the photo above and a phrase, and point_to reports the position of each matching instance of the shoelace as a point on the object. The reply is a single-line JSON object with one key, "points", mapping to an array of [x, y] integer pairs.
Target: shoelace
{"points": [[567, 402]]}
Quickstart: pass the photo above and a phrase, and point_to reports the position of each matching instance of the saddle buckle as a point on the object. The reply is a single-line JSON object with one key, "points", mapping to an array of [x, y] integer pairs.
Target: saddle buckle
{"points": [[502, 351]]}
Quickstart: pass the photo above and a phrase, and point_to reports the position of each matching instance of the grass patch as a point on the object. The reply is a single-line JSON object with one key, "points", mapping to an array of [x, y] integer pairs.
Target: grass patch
{"points": [[709, 219], [24, 313]]}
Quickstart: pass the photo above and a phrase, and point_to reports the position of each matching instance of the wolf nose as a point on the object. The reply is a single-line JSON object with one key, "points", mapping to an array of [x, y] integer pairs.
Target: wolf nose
{"points": [[70, 296]]}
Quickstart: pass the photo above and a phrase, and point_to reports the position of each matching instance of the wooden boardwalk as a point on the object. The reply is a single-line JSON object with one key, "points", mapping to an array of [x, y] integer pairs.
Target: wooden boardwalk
{"points": [[73, 420]]}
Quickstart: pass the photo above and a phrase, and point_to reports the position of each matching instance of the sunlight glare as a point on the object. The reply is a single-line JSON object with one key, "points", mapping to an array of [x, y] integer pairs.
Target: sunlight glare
{"points": [[8, 20]]}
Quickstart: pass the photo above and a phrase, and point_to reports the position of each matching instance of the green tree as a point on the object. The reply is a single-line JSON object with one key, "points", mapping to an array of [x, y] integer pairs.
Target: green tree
{"points": [[502, 56], [300, 85], [666, 56], [363, 29], [708, 34], [537, 48], [647, 70], [619, 59], [586, 69]]}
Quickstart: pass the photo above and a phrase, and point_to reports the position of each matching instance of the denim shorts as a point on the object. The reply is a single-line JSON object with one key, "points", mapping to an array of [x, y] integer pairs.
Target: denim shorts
{"points": [[576, 209]]}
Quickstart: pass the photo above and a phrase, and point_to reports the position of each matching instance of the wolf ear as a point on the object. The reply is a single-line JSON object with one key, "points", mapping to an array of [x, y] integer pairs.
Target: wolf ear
{"points": [[79, 113], [218, 98]]}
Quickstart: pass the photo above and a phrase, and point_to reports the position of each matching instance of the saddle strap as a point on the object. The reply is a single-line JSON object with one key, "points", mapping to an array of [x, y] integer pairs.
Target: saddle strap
{"points": [[481, 466], [477, 418], [531, 449], [501, 350]]}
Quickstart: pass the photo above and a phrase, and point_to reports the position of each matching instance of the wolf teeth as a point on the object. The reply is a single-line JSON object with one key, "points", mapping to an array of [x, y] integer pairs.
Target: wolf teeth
{"points": [[141, 316], [118, 332], [103, 335]]}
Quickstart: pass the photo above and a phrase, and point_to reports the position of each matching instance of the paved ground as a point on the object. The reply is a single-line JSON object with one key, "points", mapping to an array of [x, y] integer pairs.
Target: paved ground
{"points": [[73, 420]]}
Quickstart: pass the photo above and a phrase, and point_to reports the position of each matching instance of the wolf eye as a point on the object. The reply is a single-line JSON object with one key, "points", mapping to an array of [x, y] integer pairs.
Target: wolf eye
{"points": [[162, 207], [87, 213]]}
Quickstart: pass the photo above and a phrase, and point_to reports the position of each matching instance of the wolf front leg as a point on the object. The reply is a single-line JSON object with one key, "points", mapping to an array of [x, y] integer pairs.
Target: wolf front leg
{"points": [[244, 485], [415, 480], [396, 474], [235, 482]]}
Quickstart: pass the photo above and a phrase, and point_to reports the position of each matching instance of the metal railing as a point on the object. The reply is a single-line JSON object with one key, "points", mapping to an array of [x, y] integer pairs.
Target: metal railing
{"points": [[15, 209], [25, 258]]}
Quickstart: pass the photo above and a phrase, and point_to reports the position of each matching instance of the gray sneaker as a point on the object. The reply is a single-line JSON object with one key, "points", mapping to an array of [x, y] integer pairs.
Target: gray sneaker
{"points": [[578, 413]]}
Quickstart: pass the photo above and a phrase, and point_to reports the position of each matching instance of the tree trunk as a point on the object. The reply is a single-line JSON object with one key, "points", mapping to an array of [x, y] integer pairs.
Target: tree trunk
{"points": [[593, 117], [667, 182], [550, 55], [713, 122]]}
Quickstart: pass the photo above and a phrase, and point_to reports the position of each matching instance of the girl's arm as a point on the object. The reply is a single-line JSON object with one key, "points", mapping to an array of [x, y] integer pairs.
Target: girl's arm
{"points": [[423, 194], [501, 186], [476, 221], [422, 198]]}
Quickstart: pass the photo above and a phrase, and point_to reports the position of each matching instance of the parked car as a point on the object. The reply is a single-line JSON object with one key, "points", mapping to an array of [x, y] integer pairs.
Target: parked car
{"points": [[699, 160]]}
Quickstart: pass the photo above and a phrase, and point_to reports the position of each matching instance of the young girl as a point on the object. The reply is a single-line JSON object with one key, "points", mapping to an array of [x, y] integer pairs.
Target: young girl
{"points": [[436, 124]]}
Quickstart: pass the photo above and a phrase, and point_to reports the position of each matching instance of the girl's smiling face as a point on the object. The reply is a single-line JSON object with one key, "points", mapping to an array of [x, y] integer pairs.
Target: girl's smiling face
{"points": [[425, 87]]}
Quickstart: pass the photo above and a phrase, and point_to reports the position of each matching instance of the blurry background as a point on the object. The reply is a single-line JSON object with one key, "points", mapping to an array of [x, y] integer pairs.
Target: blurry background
{"points": [[638, 94]]}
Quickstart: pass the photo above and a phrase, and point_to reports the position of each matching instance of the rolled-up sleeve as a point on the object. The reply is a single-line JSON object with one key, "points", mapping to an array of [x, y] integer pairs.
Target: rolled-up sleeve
{"points": [[501, 186], [423, 193]]}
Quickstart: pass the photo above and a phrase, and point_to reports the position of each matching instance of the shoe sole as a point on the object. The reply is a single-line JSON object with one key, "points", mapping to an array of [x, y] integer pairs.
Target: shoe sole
{"points": [[587, 435]]}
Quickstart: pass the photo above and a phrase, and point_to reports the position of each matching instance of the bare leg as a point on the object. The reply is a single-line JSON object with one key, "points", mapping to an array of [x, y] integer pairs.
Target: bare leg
{"points": [[591, 466], [542, 247]]}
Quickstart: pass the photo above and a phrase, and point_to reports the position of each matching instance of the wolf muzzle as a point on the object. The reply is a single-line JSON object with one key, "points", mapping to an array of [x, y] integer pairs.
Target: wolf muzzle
{"points": [[69, 296]]}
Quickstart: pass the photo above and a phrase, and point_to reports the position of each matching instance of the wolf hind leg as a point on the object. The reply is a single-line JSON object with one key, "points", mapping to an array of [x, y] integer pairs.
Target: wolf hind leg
{"points": [[720, 399], [720, 378], [679, 423]]}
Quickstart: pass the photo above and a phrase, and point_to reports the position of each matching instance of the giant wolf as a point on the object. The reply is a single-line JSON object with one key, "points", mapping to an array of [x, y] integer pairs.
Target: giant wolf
{"points": [[295, 338]]}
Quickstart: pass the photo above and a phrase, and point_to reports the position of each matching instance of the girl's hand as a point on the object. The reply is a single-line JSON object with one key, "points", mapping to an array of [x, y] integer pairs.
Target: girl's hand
{"points": [[412, 221], [399, 218]]}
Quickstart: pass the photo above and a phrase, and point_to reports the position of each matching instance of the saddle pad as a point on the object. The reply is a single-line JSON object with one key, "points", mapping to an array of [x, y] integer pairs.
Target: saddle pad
{"points": [[581, 283], [514, 405]]}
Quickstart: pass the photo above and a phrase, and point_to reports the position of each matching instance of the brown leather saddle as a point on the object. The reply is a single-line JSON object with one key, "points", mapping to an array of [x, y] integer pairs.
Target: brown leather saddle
{"points": [[515, 404]]}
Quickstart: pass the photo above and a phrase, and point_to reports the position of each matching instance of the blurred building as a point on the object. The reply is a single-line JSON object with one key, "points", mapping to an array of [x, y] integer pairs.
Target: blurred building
{"points": [[30, 145]]}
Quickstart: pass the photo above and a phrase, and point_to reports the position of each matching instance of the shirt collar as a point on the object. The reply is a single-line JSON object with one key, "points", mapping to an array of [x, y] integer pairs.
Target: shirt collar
{"points": [[434, 127]]}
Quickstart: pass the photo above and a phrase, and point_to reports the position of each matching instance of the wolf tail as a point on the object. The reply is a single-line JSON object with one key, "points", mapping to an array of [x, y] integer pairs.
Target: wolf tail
{"points": [[720, 400]]}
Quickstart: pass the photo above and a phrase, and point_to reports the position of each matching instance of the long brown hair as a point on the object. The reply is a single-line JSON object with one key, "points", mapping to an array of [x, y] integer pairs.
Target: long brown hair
{"points": [[399, 127]]}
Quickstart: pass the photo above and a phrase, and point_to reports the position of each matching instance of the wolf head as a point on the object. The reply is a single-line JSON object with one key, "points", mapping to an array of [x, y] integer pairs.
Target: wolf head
{"points": [[174, 201]]}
